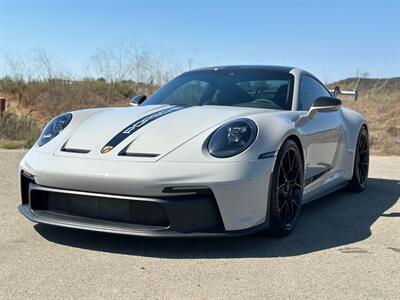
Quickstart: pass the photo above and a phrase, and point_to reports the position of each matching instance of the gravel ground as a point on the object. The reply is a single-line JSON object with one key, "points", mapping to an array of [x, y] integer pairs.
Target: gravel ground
{"points": [[346, 246]]}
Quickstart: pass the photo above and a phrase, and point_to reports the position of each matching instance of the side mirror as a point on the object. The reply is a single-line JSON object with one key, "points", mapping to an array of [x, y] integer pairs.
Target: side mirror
{"points": [[324, 104], [137, 100], [327, 101]]}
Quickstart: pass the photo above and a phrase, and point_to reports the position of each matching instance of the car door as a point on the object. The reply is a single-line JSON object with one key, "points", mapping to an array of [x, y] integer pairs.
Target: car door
{"points": [[322, 132]]}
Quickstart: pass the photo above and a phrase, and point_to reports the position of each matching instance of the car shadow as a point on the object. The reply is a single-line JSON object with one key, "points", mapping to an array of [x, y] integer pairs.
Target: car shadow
{"points": [[334, 220]]}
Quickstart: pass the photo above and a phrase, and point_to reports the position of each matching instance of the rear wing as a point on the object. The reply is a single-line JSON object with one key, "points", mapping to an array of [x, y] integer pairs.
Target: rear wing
{"points": [[336, 92]]}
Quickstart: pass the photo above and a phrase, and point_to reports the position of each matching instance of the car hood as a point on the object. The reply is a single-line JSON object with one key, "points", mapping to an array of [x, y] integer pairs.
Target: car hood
{"points": [[146, 132]]}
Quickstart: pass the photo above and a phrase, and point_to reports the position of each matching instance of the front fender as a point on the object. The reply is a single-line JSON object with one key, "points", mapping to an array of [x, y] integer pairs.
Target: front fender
{"points": [[273, 130]]}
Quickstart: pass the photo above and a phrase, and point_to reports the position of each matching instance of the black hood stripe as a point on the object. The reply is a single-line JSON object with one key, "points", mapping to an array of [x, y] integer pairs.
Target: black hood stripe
{"points": [[135, 126]]}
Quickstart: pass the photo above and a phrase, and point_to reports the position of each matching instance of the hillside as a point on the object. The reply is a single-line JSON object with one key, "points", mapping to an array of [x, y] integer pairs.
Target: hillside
{"points": [[31, 105], [367, 86]]}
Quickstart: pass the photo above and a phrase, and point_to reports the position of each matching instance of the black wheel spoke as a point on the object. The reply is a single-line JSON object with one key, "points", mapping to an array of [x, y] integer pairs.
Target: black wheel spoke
{"points": [[298, 185], [285, 174], [295, 202], [289, 166], [292, 165], [282, 206]]}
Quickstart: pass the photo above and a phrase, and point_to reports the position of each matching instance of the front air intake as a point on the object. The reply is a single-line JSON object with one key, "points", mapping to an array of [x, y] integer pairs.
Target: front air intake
{"points": [[100, 208], [25, 180]]}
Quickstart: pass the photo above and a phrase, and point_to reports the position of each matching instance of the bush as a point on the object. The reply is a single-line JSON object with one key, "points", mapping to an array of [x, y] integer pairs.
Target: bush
{"points": [[15, 128]]}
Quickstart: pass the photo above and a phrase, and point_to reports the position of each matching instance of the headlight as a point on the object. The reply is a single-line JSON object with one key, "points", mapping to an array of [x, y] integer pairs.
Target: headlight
{"points": [[54, 127], [232, 138]]}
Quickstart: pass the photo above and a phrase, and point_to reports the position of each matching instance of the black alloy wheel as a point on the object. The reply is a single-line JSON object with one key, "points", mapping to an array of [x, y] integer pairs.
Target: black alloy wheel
{"points": [[287, 189], [361, 162]]}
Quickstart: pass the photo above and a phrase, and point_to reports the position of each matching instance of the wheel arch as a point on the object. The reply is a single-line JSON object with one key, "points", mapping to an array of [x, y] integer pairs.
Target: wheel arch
{"points": [[299, 144], [292, 135], [364, 124]]}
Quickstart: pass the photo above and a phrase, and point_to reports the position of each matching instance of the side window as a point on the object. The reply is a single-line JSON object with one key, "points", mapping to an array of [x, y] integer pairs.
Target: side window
{"points": [[310, 90], [189, 93]]}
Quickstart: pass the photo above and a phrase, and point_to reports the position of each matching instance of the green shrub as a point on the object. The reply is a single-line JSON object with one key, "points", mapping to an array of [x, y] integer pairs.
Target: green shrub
{"points": [[15, 128], [11, 145]]}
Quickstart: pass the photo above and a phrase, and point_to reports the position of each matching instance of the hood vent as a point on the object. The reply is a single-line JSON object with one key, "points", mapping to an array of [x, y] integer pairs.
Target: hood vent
{"points": [[72, 150], [140, 154], [149, 155], [65, 148]]}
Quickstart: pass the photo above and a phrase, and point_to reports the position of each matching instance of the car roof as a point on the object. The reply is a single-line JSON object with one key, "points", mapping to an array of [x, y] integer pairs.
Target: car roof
{"points": [[284, 69]]}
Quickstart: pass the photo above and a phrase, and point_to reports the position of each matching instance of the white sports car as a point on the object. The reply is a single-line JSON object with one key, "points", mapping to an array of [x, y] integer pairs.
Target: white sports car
{"points": [[216, 151]]}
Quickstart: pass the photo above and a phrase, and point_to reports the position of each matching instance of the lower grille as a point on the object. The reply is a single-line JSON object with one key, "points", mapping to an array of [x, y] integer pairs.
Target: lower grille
{"points": [[195, 211], [100, 208]]}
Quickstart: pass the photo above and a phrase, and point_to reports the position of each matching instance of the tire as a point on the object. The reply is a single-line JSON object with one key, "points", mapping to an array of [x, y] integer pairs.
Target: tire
{"points": [[286, 194], [361, 163]]}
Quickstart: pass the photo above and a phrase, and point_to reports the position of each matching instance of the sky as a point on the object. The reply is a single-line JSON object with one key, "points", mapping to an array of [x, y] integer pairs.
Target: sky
{"points": [[332, 39]]}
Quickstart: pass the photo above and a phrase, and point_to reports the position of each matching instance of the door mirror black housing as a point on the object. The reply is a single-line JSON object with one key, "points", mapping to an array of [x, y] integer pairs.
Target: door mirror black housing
{"points": [[327, 101], [324, 104], [137, 100]]}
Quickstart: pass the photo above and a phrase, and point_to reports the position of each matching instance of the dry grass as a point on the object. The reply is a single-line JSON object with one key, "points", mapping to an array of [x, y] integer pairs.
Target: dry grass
{"points": [[44, 99], [383, 116], [379, 102], [31, 105]]}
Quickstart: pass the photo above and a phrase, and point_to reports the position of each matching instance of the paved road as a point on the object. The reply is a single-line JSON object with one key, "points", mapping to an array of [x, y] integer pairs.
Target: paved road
{"points": [[346, 246]]}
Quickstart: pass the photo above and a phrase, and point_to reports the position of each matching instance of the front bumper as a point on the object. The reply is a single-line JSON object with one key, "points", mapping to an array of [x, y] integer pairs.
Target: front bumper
{"points": [[239, 192], [193, 215]]}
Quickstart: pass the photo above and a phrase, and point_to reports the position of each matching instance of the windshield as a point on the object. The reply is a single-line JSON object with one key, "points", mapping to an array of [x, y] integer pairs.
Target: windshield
{"points": [[248, 88]]}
